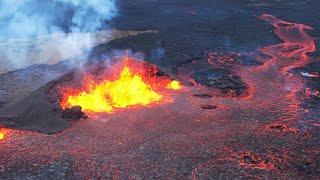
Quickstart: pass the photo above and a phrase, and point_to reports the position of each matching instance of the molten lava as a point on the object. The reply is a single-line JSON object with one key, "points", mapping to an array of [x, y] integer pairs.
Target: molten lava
{"points": [[2, 135], [131, 88], [175, 85]]}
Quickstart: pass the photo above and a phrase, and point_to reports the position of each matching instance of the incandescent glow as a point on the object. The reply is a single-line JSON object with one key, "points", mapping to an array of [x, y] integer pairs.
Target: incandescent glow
{"points": [[129, 89], [2, 135], [174, 85]]}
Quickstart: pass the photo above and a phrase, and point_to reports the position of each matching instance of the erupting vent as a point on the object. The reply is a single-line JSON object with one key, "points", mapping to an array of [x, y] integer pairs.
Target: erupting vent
{"points": [[130, 83]]}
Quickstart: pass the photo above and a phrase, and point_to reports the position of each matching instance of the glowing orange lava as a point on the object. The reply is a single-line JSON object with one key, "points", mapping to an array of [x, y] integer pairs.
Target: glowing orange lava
{"points": [[174, 85], [2, 135], [131, 88]]}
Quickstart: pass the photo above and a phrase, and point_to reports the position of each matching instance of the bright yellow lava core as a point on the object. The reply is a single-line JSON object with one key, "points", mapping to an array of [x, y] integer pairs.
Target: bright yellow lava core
{"points": [[175, 85], [2, 136], [126, 91]]}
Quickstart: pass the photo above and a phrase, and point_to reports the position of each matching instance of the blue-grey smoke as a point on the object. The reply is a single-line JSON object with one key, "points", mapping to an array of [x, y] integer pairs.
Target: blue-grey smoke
{"points": [[29, 18], [69, 19]]}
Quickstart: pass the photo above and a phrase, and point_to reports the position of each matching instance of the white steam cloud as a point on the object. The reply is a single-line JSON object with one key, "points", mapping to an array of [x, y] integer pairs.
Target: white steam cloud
{"points": [[51, 28]]}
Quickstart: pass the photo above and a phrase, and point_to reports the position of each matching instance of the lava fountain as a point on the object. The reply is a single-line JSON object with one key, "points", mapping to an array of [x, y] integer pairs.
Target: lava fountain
{"points": [[129, 83]]}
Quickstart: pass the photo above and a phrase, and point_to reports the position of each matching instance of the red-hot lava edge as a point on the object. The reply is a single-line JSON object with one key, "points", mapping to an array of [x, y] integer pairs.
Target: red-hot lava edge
{"points": [[250, 137], [273, 96], [272, 84]]}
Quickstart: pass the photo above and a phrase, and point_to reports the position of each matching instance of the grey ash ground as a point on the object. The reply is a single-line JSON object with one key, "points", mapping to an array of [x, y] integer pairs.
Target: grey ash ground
{"points": [[220, 127]]}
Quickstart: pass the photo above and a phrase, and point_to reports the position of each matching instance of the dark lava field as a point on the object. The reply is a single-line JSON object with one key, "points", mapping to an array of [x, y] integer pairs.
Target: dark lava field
{"points": [[249, 107]]}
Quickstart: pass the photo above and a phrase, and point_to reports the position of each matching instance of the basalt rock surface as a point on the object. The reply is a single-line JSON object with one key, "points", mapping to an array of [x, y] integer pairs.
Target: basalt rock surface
{"points": [[39, 111]]}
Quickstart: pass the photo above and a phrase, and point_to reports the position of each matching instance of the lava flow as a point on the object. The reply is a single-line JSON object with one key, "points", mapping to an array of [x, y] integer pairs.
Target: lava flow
{"points": [[135, 84], [297, 43]]}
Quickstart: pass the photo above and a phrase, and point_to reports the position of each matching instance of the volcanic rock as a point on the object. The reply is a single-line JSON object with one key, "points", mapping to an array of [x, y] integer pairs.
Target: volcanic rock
{"points": [[209, 106], [205, 77], [36, 112], [222, 79], [16, 85], [204, 96], [40, 111], [54, 170], [247, 60], [229, 59], [305, 167], [73, 113], [277, 127]]}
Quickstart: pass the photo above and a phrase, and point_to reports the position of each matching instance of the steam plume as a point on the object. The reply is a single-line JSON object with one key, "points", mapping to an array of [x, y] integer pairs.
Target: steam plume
{"points": [[53, 27]]}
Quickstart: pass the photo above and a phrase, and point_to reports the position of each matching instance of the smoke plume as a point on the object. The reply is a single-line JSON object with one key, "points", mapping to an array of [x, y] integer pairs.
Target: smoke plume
{"points": [[50, 28]]}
